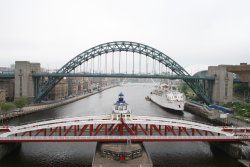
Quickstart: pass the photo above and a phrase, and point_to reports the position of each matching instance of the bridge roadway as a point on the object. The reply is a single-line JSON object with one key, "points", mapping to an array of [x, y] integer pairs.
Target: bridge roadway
{"points": [[137, 129], [114, 75], [121, 75]]}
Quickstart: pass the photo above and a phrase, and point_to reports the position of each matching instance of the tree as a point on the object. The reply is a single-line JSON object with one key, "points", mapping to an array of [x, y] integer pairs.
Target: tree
{"points": [[5, 107], [240, 88], [21, 102], [8, 106], [184, 89]]}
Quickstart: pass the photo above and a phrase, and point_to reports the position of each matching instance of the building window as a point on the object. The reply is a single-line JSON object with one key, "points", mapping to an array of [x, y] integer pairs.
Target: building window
{"points": [[226, 88], [21, 80]]}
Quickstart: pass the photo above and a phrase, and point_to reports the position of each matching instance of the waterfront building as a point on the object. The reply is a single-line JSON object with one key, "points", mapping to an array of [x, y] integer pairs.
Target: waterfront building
{"points": [[60, 91], [8, 86], [2, 96], [75, 85]]}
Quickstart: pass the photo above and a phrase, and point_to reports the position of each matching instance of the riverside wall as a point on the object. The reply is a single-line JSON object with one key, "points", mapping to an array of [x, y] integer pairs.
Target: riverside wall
{"points": [[213, 116]]}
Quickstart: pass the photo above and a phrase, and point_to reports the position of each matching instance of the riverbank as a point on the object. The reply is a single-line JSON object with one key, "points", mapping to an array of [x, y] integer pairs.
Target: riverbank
{"points": [[211, 115], [236, 150], [41, 107], [214, 116]]}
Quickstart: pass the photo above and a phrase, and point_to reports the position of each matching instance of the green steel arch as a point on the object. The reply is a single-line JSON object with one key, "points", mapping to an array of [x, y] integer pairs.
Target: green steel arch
{"points": [[119, 46]]}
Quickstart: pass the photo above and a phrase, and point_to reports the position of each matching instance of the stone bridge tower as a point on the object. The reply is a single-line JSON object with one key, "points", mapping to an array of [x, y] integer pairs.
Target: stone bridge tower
{"points": [[24, 85], [223, 85]]}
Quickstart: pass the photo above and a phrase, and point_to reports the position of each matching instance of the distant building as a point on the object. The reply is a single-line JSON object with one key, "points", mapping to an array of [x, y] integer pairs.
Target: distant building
{"points": [[6, 69], [75, 85], [86, 84], [8, 86], [60, 91], [2, 96]]}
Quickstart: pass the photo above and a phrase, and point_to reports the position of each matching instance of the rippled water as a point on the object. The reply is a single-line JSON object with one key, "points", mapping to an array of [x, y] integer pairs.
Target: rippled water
{"points": [[169, 154]]}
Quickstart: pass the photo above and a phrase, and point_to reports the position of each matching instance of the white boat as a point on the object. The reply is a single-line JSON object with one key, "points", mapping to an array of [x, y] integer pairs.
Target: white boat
{"points": [[167, 96], [121, 109]]}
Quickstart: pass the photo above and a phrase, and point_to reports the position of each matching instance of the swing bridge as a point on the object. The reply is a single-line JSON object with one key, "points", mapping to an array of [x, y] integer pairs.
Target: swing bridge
{"points": [[137, 129]]}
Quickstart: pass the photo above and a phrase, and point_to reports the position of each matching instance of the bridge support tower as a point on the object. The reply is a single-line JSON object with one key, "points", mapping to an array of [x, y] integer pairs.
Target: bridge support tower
{"points": [[24, 84], [222, 91]]}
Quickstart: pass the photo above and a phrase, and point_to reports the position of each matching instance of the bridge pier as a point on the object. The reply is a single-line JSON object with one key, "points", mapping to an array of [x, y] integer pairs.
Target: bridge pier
{"points": [[24, 84], [7, 148], [36, 85], [236, 150], [223, 85]]}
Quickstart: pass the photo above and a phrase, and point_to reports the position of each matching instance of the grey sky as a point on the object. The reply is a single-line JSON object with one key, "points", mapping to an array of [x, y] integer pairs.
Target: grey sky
{"points": [[191, 32]]}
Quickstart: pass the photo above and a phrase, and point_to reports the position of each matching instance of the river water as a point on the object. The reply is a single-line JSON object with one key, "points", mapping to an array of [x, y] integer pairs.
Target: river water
{"points": [[167, 154]]}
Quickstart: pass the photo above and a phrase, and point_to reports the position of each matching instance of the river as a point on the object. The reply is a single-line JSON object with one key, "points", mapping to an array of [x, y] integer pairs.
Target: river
{"points": [[167, 154]]}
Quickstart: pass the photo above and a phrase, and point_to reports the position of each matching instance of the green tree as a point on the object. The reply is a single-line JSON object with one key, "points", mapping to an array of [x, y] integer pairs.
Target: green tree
{"points": [[21, 102], [184, 89], [8, 106], [5, 107], [240, 88]]}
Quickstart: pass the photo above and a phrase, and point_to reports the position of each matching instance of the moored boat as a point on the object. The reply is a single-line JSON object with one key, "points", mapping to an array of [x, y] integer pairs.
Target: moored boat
{"points": [[168, 97]]}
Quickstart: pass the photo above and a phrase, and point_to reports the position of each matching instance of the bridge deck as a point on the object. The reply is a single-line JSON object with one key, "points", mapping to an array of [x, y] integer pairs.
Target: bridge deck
{"points": [[138, 128]]}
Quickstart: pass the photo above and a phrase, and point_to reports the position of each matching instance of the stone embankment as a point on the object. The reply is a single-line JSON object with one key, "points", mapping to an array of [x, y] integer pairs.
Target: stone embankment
{"points": [[211, 115], [41, 107], [240, 150]]}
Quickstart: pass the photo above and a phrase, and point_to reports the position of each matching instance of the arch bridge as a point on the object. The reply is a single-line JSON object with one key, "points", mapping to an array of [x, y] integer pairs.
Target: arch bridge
{"points": [[136, 129], [100, 52]]}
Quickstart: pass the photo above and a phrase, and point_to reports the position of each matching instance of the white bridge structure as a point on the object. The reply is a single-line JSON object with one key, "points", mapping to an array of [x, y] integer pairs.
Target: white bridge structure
{"points": [[135, 129]]}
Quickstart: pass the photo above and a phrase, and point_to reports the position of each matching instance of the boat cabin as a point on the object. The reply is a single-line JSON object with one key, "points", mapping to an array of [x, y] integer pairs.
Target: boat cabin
{"points": [[121, 109]]}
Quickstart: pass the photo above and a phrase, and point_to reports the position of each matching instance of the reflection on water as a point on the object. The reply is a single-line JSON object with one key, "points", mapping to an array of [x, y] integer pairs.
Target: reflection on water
{"points": [[169, 154]]}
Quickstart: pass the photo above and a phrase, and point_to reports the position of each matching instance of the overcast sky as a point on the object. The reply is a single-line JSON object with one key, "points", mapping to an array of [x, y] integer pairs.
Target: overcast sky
{"points": [[52, 32]]}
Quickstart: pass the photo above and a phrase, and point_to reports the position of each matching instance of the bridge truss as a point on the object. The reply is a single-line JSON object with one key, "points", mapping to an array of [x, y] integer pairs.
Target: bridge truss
{"points": [[138, 128], [123, 46]]}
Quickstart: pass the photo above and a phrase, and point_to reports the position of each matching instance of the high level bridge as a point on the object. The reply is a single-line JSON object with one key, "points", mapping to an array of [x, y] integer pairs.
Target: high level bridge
{"points": [[112, 59], [95, 58], [136, 129]]}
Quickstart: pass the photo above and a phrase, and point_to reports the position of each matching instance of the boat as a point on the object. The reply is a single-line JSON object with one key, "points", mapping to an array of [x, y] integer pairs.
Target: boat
{"points": [[168, 97], [121, 109]]}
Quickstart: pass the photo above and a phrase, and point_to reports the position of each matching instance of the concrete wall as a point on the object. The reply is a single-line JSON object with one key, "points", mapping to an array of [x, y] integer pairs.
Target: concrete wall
{"points": [[24, 85], [223, 85], [243, 70]]}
